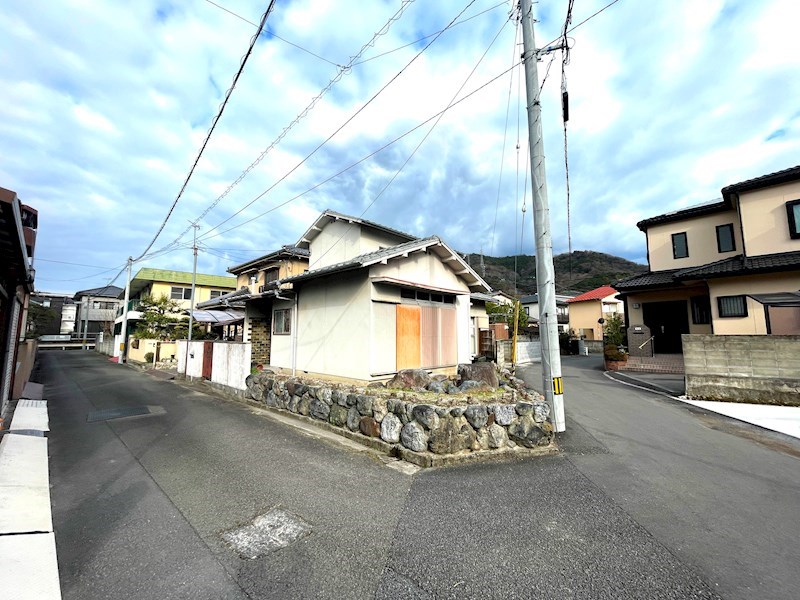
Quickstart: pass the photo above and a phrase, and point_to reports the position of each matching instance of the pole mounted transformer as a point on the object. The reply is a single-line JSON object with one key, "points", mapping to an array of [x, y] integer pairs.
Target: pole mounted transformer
{"points": [[545, 272]]}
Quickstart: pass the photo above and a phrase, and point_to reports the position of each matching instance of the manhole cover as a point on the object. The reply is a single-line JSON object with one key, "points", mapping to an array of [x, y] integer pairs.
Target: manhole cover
{"points": [[271, 531], [117, 413]]}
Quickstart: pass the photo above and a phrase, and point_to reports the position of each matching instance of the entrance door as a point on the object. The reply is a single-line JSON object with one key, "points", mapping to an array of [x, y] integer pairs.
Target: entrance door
{"points": [[667, 321], [208, 353]]}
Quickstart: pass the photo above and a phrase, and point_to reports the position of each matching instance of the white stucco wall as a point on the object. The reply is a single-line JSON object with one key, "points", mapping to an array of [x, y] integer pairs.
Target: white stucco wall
{"points": [[422, 268], [333, 335], [231, 364], [194, 366], [340, 241], [463, 329]]}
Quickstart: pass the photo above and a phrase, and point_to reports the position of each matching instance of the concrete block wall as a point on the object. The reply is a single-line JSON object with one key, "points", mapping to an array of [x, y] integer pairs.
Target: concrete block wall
{"points": [[527, 352], [743, 368]]}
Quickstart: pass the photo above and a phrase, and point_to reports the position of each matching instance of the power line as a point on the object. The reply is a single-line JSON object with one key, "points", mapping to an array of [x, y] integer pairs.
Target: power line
{"points": [[365, 158], [62, 262], [213, 126], [419, 145], [275, 35], [505, 135], [343, 125], [341, 73], [423, 38]]}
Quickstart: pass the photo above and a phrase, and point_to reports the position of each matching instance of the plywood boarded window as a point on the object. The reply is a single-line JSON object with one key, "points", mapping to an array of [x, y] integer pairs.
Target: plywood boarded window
{"points": [[426, 336], [408, 337]]}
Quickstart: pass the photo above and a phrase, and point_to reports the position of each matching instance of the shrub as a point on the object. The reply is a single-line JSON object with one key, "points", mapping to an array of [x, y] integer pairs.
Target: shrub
{"points": [[612, 352], [148, 357]]}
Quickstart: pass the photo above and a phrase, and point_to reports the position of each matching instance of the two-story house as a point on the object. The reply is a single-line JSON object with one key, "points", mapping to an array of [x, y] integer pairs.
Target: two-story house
{"points": [[96, 309], [175, 285], [530, 306], [374, 300], [728, 267], [589, 310]]}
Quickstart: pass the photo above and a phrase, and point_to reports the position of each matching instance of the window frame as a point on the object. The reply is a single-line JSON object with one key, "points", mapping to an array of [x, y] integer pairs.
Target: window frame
{"points": [[184, 291], [685, 244], [732, 316], [287, 321], [212, 294], [700, 307], [794, 224], [728, 226]]}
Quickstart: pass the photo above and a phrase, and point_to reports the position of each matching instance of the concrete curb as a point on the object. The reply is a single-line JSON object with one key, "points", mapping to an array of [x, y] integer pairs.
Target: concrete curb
{"points": [[28, 560], [640, 383]]}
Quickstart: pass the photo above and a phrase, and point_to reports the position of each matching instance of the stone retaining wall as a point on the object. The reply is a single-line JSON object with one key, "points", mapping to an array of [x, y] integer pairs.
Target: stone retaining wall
{"points": [[417, 428]]}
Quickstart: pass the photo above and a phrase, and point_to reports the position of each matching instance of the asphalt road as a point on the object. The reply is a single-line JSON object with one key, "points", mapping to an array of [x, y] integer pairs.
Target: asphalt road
{"points": [[648, 500]]}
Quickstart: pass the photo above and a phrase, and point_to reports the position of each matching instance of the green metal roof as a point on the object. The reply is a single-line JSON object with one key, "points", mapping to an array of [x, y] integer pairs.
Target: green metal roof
{"points": [[167, 276]]}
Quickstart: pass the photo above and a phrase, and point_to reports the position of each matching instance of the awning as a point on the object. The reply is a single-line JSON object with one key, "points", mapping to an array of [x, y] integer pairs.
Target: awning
{"points": [[218, 317], [778, 299]]}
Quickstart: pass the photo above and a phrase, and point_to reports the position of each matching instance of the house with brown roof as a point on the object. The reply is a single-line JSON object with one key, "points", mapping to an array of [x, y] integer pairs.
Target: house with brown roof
{"points": [[730, 267], [586, 311]]}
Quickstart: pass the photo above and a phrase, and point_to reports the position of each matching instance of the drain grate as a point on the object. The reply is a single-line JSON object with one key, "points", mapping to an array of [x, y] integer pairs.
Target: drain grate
{"points": [[117, 413], [271, 531]]}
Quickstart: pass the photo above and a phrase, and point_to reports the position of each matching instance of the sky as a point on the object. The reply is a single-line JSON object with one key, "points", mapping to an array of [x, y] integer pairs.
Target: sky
{"points": [[105, 107]]}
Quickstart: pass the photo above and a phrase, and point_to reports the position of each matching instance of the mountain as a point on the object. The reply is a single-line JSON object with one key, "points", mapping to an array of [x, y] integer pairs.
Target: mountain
{"points": [[581, 271]]}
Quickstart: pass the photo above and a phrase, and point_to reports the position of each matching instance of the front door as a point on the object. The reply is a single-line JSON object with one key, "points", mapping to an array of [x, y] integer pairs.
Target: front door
{"points": [[667, 321], [408, 337]]}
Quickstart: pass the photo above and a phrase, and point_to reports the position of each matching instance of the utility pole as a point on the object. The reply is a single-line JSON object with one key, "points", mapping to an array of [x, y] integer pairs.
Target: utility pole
{"points": [[545, 272], [86, 301], [124, 331], [191, 301]]}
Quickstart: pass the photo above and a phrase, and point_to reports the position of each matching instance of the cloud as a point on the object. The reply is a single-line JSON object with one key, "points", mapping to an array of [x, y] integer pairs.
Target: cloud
{"points": [[103, 115]]}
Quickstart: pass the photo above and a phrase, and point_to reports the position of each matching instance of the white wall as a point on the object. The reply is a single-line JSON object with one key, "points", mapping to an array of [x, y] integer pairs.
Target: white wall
{"points": [[194, 368], [463, 323], [422, 268], [337, 242], [383, 348], [231, 364]]}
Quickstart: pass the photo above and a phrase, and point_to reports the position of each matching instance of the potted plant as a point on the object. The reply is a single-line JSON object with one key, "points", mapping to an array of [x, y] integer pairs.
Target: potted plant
{"points": [[614, 357]]}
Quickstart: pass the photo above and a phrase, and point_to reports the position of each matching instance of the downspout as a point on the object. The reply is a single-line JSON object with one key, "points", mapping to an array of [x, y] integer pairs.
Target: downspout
{"points": [[295, 318]]}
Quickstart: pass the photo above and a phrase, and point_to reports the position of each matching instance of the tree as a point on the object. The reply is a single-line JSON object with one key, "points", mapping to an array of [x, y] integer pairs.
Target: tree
{"points": [[40, 318], [614, 330], [505, 313], [160, 317]]}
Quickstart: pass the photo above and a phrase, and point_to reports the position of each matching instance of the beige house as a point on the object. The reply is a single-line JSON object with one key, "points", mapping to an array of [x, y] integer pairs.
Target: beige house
{"points": [[176, 285], [731, 267], [257, 274], [586, 310], [373, 301]]}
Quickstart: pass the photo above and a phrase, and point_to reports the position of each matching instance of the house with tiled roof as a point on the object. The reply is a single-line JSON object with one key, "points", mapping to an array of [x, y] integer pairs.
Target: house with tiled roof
{"points": [[586, 311], [729, 267], [373, 300]]}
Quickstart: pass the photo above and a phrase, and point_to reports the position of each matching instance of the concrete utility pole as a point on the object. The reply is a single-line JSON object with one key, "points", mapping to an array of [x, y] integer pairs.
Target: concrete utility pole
{"points": [[191, 301], [545, 272], [123, 351]]}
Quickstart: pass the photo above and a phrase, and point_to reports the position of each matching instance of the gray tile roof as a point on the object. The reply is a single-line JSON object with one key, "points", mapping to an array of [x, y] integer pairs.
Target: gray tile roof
{"points": [[647, 280], [228, 299], [728, 267], [778, 177], [283, 252], [739, 265]]}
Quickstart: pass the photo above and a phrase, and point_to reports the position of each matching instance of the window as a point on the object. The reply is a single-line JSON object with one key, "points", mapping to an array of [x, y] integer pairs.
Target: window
{"points": [[680, 247], [725, 239], [282, 321], [701, 310], [528, 311], [271, 275], [180, 293], [427, 296], [732, 306], [793, 212], [46, 303], [216, 293]]}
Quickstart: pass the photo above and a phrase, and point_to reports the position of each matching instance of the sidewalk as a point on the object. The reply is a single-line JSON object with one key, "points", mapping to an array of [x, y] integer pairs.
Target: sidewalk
{"points": [[28, 565], [783, 419]]}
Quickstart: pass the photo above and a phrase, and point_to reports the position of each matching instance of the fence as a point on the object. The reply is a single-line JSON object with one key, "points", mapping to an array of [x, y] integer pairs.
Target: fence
{"points": [[527, 352], [230, 362], [104, 344], [743, 368]]}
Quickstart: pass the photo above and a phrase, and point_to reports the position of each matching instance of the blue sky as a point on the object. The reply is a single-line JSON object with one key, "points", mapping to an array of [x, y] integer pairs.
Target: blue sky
{"points": [[106, 104]]}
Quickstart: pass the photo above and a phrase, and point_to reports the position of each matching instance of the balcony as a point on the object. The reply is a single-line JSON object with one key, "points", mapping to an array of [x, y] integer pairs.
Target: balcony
{"points": [[132, 305]]}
